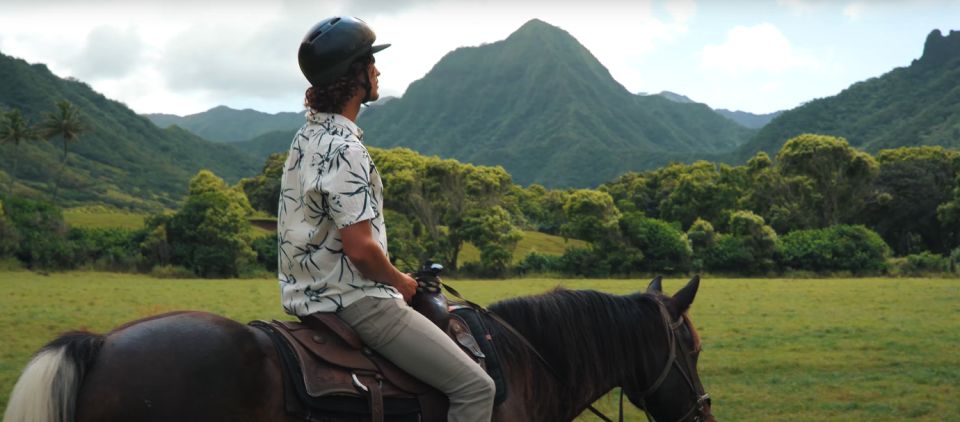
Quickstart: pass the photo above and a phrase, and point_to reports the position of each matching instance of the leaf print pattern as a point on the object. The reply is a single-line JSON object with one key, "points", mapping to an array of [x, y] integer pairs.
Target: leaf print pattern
{"points": [[329, 182]]}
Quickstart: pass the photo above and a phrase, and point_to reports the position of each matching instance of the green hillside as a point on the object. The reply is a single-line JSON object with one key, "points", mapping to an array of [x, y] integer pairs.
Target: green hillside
{"points": [[543, 107], [224, 124], [909, 106], [262, 146], [122, 159]]}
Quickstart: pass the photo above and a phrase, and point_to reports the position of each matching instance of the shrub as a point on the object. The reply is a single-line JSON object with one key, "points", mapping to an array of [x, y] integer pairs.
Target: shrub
{"points": [[111, 249], [266, 248], [728, 254], [663, 246], [42, 234], [837, 248], [171, 271], [583, 262], [536, 262], [924, 263]]}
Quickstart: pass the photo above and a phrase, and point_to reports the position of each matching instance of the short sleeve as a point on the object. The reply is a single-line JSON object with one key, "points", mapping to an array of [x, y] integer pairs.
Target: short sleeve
{"points": [[345, 183]]}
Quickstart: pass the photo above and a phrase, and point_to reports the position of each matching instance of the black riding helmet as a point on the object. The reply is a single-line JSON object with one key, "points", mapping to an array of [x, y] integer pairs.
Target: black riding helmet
{"points": [[329, 48]]}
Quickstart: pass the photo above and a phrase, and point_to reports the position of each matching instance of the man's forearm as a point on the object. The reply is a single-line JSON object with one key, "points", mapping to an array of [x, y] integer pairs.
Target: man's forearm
{"points": [[374, 264]]}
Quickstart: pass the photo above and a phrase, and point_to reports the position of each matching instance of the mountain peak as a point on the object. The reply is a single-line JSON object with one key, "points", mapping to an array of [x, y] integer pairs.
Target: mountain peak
{"points": [[939, 48], [536, 28]]}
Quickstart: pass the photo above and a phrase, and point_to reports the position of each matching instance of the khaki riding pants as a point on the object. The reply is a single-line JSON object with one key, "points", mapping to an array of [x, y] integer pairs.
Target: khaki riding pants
{"points": [[416, 345]]}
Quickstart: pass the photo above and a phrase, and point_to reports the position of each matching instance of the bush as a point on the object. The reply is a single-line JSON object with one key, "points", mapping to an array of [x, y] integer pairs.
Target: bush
{"points": [[583, 262], [728, 254], [42, 234], [266, 248], [837, 248], [663, 246], [536, 262], [171, 271], [924, 263], [110, 249]]}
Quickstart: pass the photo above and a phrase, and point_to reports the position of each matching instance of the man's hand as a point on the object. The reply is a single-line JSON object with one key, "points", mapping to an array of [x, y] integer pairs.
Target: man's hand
{"points": [[407, 286]]}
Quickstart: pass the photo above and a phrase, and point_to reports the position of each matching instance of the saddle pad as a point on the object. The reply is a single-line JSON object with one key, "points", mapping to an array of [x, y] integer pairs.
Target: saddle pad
{"points": [[485, 340]]}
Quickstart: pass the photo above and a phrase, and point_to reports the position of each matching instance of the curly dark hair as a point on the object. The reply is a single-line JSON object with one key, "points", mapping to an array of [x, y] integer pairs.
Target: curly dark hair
{"points": [[333, 97]]}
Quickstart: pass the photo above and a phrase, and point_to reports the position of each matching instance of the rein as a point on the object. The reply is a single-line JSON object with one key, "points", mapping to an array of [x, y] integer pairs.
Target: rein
{"points": [[528, 345], [671, 328]]}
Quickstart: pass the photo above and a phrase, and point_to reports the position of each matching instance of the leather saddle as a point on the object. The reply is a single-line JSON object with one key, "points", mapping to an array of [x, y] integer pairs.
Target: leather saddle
{"points": [[328, 370]]}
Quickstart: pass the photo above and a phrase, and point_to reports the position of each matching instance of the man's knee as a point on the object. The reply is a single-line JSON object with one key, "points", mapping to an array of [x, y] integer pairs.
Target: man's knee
{"points": [[485, 386]]}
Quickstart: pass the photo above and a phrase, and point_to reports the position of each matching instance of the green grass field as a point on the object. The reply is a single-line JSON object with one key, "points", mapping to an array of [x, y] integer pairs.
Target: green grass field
{"points": [[102, 217], [775, 349]]}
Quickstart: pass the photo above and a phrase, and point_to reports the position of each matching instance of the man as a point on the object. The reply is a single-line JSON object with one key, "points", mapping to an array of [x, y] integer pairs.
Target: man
{"points": [[332, 238]]}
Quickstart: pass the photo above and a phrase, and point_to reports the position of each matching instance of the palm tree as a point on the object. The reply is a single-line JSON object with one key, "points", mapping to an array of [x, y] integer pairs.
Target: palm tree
{"points": [[66, 124], [14, 129]]}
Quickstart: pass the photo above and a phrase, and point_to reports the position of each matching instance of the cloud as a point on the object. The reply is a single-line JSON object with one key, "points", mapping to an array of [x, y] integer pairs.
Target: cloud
{"points": [[260, 62], [801, 7], [756, 48], [109, 52], [854, 10]]}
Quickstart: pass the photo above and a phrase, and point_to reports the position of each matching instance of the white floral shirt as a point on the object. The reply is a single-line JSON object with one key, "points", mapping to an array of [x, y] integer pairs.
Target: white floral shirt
{"points": [[329, 182]]}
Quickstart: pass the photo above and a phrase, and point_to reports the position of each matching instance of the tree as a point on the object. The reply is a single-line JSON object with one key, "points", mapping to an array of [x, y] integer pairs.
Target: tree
{"points": [[949, 215], [787, 203], [14, 129], [664, 247], [903, 208], [757, 238], [703, 190], [263, 190], [211, 234], [9, 235], [66, 124], [491, 231], [590, 215], [841, 176]]}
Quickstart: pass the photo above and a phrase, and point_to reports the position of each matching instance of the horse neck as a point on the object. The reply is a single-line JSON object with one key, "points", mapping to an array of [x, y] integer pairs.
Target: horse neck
{"points": [[587, 357]]}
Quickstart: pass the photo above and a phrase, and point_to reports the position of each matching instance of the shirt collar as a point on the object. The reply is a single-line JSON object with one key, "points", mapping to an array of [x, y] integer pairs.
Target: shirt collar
{"points": [[321, 118]]}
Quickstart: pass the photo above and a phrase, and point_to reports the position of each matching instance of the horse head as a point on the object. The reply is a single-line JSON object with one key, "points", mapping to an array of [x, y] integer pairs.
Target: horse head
{"points": [[673, 392]]}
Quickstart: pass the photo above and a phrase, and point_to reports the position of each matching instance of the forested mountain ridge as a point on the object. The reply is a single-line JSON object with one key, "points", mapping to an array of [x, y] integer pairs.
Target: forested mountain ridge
{"points": [[909, 106], [541, 105], [121, 158], [224, 124]]}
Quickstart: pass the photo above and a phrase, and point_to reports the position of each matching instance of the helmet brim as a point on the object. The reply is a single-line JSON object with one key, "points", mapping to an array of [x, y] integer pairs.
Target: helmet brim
{"points": [[377, 48]]}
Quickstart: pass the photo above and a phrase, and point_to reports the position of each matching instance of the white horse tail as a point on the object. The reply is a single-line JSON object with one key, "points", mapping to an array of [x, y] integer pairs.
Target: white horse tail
{"points": [[47, 388]]}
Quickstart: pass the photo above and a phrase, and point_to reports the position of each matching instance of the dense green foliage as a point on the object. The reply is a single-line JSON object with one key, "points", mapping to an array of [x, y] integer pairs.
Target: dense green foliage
{"points": [[836, 248], [909, 106], [818, 208], [541, 105], [123, 160], [224, 124], [210, 234]]}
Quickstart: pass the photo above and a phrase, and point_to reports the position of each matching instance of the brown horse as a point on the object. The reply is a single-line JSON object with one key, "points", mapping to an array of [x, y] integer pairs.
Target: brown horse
{"points": [[193, 366]]}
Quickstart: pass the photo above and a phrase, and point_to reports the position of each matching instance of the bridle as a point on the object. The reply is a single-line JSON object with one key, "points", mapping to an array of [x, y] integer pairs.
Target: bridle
{"points": [[700, 410]]}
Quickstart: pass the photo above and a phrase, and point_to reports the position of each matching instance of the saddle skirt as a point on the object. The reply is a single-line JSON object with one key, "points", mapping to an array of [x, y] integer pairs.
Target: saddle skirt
{"points": [[328, 370]]}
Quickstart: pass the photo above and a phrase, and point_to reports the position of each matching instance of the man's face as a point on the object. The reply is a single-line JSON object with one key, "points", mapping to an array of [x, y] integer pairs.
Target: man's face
{"points": [[374, 81]]}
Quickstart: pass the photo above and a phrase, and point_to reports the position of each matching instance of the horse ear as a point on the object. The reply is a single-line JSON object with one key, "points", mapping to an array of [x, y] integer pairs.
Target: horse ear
{"points": [[684, 297], [655, 286]]}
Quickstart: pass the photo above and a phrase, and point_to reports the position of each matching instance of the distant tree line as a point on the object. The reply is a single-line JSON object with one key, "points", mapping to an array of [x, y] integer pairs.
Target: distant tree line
{"points": [[821, 207]]}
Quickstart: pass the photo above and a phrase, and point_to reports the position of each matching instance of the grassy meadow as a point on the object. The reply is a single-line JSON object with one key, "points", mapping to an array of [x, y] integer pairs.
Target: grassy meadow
{"points": [[775, 349]]}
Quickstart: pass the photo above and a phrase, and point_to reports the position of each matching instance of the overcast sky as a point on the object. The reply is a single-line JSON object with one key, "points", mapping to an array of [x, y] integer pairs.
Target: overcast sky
{"points": [[184, 57]]}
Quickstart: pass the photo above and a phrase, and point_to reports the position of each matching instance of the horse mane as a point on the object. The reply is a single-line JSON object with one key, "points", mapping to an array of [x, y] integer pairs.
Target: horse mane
{"points": [[586, 336]]}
